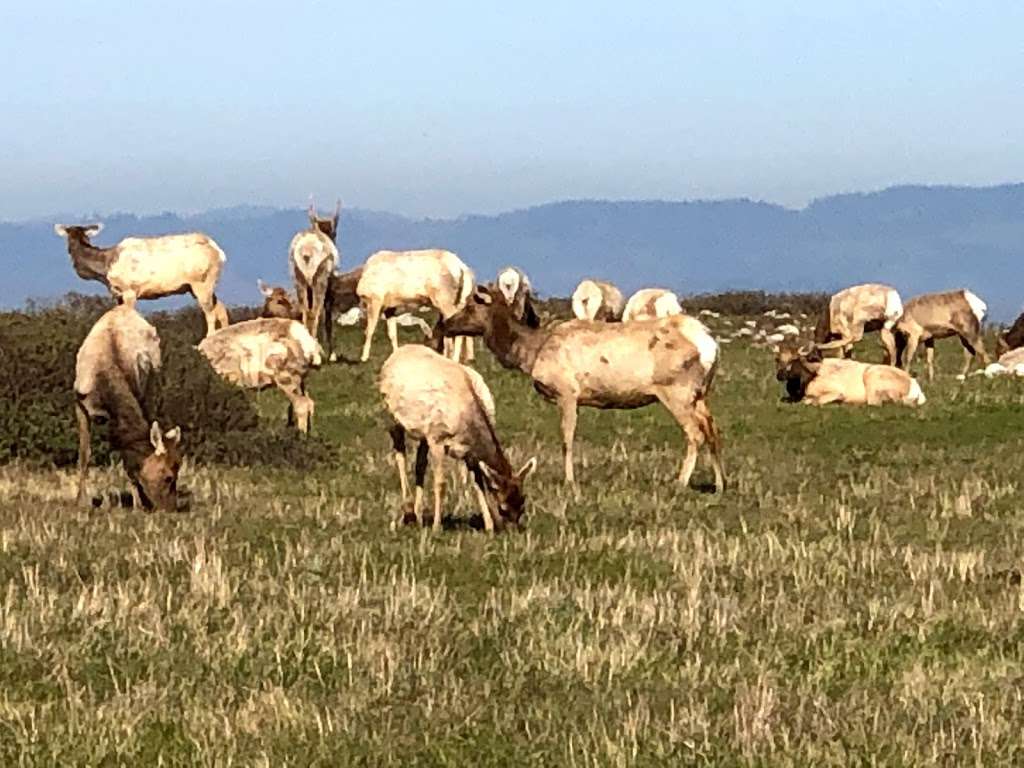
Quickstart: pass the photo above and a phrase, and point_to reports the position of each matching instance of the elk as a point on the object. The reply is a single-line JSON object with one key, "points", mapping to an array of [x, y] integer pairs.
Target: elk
{"points": [[449, 409], [932, 316], [597, 300], [114, 374], [817, 381], [515, 287], [1013, 338], [857, 310], [152, 267], [581, 362], [394, 281], [312, 257], [256, 354], [649, 303]]}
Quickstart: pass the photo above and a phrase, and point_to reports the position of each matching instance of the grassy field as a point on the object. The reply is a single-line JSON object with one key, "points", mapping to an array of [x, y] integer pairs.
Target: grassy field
{"points": [[853, 598]]}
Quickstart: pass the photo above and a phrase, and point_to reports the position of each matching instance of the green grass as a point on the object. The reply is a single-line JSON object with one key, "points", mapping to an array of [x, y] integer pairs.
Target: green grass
{"points": [[854, 597]]}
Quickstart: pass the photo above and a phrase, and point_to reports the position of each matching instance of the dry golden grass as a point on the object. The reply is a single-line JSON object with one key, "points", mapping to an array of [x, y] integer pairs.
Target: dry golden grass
{"points": [[854, 598]]}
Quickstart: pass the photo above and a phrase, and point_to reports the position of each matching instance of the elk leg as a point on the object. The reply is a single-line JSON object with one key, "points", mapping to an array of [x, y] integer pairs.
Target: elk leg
{"points": [[685, 414], [421, 476], [392, 323], [437, 458], [568, 408], [84, 451], [889, 342], [713, 438], [398, 452], [910, 350], [329, 326], [929, 358], [372, 316], [457, 348], [301, 406], [481, 497], [470, 350], [208, 304], [973, 349]]}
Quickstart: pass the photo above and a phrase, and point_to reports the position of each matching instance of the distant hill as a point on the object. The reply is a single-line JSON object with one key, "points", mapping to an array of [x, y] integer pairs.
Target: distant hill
{"points": [[917, 238]]}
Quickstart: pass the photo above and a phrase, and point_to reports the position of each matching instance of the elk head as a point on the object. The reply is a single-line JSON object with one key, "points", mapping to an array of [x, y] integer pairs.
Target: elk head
{"points": [[157, 478], [507, 492], [326, 224]]}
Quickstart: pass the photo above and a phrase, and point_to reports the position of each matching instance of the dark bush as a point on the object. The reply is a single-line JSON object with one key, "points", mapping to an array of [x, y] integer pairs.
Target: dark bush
{"points": [[755, 302], [219, 421]]}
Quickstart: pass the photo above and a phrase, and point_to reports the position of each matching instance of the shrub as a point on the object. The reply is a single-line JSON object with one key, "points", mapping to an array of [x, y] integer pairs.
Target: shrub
{"points": [[219, 421]]}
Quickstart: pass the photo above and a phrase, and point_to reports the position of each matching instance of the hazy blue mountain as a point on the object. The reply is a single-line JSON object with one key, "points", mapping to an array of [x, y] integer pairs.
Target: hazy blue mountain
{"points": [[917, 238]]}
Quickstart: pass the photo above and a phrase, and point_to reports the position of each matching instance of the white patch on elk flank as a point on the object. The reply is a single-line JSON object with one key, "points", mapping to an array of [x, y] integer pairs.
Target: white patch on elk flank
{"points": [[893, 308]]}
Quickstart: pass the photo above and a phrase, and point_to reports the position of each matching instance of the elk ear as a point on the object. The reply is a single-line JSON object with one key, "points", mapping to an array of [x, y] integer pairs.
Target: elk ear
{"points": [[60, 230], [157, 440], [265, 289], [527, 469], [93, 229], [173, 435], [481, 296]]}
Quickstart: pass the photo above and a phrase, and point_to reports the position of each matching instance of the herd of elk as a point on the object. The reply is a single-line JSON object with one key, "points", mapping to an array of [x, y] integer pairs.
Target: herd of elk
{"points": [[614, 355]]}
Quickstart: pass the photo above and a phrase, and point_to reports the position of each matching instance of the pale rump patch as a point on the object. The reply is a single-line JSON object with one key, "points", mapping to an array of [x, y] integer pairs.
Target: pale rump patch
{"points": [[893, 308], [915, 395], [701, 337], [508, 284], [310, 347], [978, 307]]}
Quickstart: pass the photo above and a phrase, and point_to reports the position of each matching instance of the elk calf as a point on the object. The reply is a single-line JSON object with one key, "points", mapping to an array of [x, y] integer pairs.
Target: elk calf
{"points": [[649, 303], [396, 281], [934, 316], [449, 409], [818, 381], [597, 300], [152, 267], [857, 310], [114, 371], [256, 354]]}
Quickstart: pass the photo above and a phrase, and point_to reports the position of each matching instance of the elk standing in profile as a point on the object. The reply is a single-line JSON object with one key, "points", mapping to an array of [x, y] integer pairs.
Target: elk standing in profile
{"points": [[266, 352], [932, 316], [397, 281], [597, 300], [449, 409], [312, 258], [671, 360], [152, 267], [114, 372]]}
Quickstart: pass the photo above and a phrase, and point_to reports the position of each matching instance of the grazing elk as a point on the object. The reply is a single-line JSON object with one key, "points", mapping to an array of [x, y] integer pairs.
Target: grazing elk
{"points": [[152, 267], [649, 303], [857, 310], [515, 287], [597, 300], [449, 409], [395, 281], [312, 257], [114, 373], [265, 352], [1013, 338], [818, 381], [581, 362], [934, 316]]}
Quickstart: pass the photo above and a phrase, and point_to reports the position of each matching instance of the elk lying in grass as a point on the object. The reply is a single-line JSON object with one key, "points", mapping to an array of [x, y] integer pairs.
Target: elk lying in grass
{"points": [[597, 300], [397, 281], [114, 371], [515, 287], [449, 409], [152, 267], [857, 310], [312, 257], [934, 316], [265, 352], [600, 365], [1012, 338], [649, 303], [818, 381]]}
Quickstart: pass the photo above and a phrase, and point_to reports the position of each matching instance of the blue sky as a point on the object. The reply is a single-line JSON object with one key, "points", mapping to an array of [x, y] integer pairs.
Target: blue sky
{"points": [[443, 108]]}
